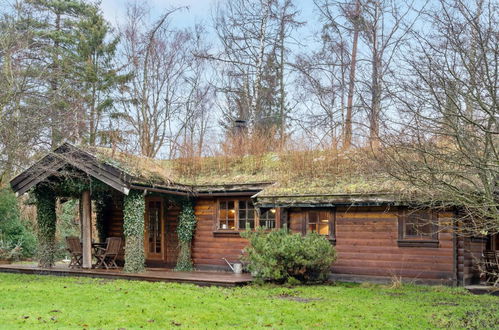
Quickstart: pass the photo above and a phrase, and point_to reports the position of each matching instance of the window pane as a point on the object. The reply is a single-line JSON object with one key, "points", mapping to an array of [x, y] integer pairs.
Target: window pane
{"points": [[313, 217], [267, 218], [243, 223], [226, 215], [324, 229], [418, 224]]}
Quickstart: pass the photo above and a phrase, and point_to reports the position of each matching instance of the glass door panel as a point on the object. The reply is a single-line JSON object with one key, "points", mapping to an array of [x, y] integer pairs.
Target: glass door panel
{"points": [[154, 230]]}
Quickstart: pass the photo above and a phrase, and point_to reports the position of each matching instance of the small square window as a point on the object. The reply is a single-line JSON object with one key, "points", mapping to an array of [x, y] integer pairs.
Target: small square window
{"points": [[418, 229], [267, 218], [419, 225], [319, 222]]}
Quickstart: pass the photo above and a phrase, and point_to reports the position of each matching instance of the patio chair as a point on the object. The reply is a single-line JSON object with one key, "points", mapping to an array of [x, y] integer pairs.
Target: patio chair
{"points": [[106, 257], [491, 263], [74, 248]]}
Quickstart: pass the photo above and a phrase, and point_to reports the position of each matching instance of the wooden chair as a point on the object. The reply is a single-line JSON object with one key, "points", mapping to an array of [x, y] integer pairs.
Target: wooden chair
{"points": [[491, 263], [74, 248], [106, 257]]}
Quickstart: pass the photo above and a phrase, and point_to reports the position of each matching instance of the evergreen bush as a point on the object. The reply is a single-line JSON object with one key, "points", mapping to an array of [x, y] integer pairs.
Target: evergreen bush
{"points": [[16, 239], [280, 256]]}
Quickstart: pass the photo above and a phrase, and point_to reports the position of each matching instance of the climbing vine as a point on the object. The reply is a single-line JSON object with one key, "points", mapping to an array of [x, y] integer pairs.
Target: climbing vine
{"points": [[46, 219], [101, 205], [73, 186], [185, 231], [133, 228]]}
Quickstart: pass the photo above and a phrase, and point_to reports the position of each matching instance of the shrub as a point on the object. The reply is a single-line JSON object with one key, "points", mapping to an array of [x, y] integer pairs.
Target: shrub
{"points": [[280, 256], [17, 241]]}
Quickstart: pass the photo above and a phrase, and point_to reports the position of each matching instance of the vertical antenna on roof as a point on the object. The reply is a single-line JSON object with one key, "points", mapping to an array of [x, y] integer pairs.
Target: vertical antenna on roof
{"points": [[240, 127], [239, 133]]}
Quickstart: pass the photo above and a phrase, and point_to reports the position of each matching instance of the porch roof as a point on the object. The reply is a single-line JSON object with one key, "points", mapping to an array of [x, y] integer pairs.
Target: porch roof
{"points": [[67, 155]]}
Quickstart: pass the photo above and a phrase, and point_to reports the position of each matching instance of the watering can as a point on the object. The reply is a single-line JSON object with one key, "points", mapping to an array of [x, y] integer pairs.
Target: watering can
{"points": [[236, 267]]}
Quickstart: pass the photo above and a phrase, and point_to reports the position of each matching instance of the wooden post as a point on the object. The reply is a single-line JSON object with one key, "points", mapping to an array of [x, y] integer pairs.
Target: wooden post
{"points": [[278, 217], [86, 228]]}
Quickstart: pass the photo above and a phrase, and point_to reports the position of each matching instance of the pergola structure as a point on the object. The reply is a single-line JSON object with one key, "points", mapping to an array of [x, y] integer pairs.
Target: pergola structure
{"points": [[50, 176]]}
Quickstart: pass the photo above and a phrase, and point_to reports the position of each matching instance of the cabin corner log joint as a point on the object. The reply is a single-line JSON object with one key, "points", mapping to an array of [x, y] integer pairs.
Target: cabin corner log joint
{"points": [[375, 234]]}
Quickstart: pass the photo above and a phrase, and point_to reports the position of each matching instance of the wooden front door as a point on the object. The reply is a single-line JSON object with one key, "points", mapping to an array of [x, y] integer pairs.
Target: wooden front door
{"points": [[154, 229]]}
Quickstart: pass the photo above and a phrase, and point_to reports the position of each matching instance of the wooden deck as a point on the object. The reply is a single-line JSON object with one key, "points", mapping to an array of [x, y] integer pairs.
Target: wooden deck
{"points": [[151, 274]]}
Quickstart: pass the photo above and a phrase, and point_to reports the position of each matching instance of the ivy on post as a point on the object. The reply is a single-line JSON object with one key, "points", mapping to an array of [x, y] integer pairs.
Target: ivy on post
{"points": [[133, 228], [185, 231], [46, 219]]}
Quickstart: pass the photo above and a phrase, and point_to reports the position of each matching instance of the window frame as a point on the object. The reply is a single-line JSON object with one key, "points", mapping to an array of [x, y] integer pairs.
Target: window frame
{"points": [[331, 236], [258, 214], [217, 231], [405, 240]]}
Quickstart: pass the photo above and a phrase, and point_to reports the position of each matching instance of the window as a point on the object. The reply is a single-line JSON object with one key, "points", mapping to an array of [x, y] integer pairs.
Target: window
{"points": [[246, 215], [418, 228], [267, 218], [227, 215], [320, 222], [238, 214]]}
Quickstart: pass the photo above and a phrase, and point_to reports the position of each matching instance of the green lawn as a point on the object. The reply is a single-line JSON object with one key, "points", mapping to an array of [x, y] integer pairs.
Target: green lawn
{"points": [[62, 302]]}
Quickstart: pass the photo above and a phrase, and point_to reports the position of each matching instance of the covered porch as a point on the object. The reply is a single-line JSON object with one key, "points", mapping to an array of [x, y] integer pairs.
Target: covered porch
{"points": [[113, 203]]}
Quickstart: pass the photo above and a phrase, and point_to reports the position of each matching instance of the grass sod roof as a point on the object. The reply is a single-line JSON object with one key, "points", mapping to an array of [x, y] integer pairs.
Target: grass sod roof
{"points": [[292, 177]]}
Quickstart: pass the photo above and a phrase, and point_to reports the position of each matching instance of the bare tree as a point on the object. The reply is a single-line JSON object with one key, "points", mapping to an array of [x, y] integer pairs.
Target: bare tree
{"points": [[385, 26], [254, 38], [342, 20], [194, 116], [158, 58], [446, 142]]}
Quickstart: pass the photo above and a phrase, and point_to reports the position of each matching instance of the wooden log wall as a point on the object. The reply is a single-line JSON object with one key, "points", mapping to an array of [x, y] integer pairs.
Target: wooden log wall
{"points": [[207, 249], [114, 221], [171, 240], [469, 253], [366, 242]]}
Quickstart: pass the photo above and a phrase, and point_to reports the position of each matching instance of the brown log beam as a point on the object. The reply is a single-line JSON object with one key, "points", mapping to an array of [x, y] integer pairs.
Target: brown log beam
{"points": [[86, 228]]}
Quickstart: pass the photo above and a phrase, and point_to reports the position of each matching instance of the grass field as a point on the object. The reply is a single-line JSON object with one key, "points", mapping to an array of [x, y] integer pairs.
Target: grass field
{"points": [[29, 301]]}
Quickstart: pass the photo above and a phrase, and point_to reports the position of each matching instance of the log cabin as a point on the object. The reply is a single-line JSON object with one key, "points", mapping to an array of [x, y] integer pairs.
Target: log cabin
{"points": [[376, 229]]}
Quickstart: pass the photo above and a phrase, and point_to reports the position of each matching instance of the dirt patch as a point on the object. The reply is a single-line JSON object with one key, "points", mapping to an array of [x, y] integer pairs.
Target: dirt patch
{"points": [[445, 303], [297, 298], [395, 294]]}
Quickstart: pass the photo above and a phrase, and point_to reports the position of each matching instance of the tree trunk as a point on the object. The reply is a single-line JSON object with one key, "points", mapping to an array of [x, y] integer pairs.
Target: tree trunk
{"points": [[86, 228], [351, 85]]}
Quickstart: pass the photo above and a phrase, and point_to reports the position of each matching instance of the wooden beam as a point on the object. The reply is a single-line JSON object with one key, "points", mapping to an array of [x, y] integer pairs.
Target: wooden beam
{"points": [[86, 228]]}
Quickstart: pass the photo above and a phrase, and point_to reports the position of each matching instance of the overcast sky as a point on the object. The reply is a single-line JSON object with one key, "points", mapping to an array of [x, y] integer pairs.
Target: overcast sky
{"points": [[199, 11]]}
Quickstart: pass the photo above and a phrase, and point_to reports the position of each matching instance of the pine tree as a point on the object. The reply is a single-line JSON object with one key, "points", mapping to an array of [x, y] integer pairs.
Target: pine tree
{"points": [[96, 72], [55, 27]]}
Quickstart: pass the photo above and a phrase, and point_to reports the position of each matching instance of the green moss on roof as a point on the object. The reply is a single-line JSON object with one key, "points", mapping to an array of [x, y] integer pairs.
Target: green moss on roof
{"points": [[293, 173], [143, 170]]}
